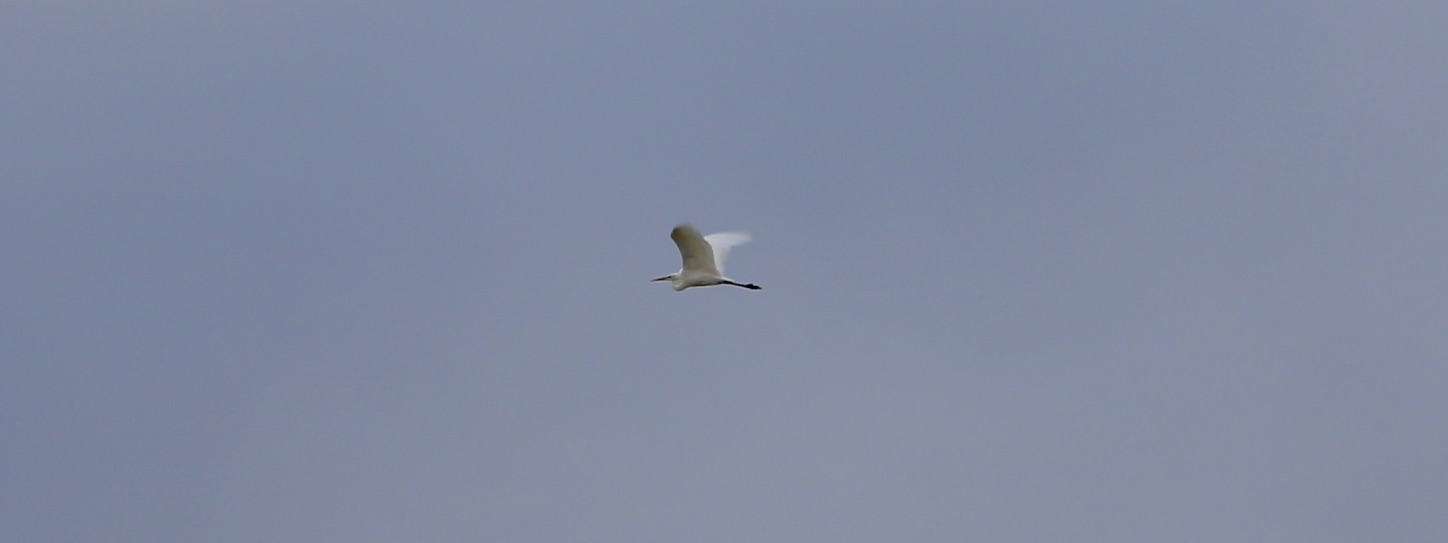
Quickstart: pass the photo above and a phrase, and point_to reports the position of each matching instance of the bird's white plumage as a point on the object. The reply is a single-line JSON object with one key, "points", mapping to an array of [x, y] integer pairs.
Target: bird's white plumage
{"points": [[698, 254], [703, 258], [722, 243]]}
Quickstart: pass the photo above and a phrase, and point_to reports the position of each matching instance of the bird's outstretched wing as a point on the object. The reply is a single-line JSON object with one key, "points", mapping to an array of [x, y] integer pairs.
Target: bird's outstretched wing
{"points": [[698, 255], [721, 243]]}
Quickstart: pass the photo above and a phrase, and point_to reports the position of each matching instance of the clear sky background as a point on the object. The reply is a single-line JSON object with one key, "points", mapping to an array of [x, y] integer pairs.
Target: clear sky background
{"points": [[1051, 271]]}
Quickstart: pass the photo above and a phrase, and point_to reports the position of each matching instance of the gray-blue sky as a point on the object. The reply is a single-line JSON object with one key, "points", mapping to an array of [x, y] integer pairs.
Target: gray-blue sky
{"points": [[1045, 272]]}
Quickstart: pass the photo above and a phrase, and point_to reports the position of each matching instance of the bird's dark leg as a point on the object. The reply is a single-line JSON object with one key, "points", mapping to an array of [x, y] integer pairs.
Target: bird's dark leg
{"points": [[750, 286]]}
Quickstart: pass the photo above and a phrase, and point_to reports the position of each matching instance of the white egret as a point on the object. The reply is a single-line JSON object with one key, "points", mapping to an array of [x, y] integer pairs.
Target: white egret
{"points": [[703, 258]]}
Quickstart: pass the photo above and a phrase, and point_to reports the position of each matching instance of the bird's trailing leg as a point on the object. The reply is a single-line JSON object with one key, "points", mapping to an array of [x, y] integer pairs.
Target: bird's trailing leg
{"points": [[750, 286]]}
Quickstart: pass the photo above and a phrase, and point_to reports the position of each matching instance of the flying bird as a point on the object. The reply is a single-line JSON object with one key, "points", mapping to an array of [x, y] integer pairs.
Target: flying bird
{"points": [[704, 258]]}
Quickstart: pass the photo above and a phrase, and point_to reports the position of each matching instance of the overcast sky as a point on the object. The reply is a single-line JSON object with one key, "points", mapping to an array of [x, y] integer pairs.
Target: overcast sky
{"points": [[1050, 271]]}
